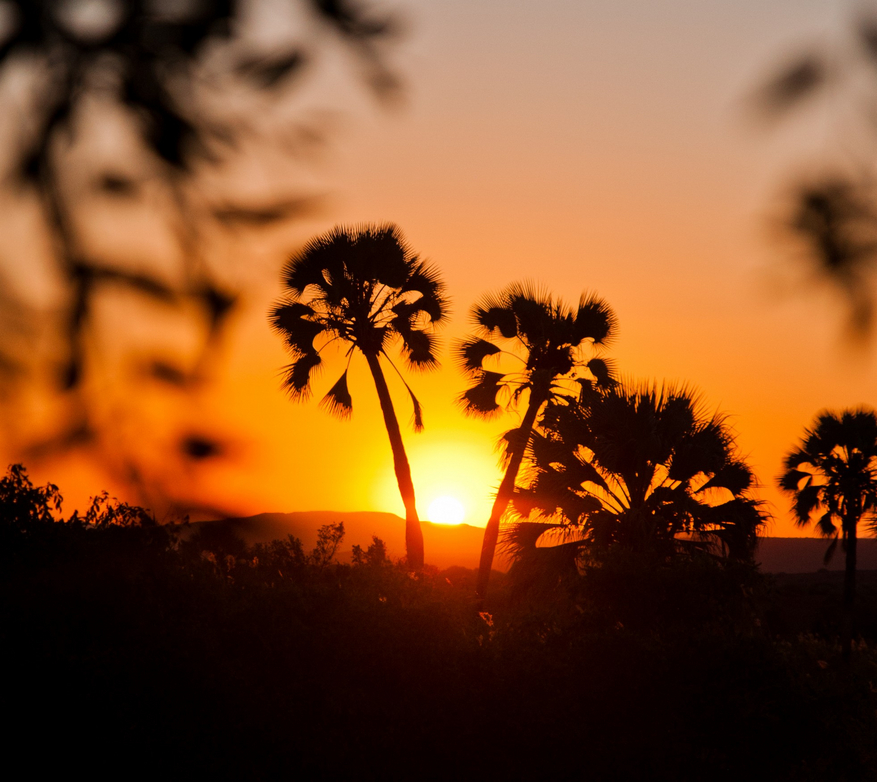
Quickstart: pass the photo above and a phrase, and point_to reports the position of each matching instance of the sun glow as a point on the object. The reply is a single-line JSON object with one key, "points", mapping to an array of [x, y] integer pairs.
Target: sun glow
{"points": [[455, 463], [446, 510]]}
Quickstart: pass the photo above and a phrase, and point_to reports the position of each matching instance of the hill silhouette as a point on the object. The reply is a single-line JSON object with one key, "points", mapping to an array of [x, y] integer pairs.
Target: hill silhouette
{"points": [[446, 545], [460, 544], [806, 555]]}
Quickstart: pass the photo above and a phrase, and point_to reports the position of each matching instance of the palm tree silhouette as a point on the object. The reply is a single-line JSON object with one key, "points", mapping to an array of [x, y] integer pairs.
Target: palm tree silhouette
{"points": [[633, 466], [834, 470], [363, 286], [547, 343]]}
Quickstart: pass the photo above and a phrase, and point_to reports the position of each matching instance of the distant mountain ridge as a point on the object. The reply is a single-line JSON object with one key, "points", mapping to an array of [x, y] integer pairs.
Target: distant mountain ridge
{"points": [[445, 545], [448, 545], [806, 555]]}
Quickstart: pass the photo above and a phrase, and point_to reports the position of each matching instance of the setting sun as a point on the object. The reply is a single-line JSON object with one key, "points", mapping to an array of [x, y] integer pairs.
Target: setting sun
{"points": [[446, 510]]}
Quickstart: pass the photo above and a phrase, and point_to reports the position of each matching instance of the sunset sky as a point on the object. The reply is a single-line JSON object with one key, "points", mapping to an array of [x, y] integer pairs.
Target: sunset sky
{"points": [[599, 146]]}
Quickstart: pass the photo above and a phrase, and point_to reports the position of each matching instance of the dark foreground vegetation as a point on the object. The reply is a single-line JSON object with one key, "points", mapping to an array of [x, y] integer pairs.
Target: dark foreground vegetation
{"points": [[132, 648]]}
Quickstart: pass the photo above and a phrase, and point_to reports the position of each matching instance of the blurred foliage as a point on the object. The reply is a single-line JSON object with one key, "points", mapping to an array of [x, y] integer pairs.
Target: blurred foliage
{"points": [[832, 211], [121, 107]]}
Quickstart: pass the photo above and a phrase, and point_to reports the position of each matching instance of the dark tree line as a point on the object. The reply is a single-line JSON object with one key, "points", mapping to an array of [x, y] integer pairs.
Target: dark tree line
{"points": [[140, 646]]}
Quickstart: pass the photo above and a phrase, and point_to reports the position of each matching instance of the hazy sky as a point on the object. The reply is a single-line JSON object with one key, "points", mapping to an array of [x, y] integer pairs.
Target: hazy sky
{"points": [[601, 146]]}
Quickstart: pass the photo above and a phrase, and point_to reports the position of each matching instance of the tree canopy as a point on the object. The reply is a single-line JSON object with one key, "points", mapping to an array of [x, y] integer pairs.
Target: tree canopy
{"points": [[640, 467]]}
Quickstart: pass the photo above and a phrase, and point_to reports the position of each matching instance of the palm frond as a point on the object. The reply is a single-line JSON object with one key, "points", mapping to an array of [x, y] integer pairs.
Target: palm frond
{"points": [[290, 320], [382, 254], [511, 442], [860, 430], [807, 500], [286, 313], [412, 316], [790, 481], [584, 472], [547, 448], [471, 353], [338, 400], [540, 570], [603, 370], [828, 433], [297, 375], [419, 350], [594, 320], [481, 398], [523, 536], [735, 523], [705, 450], [497, 319], [320, 258], [796, 458], [538, 322], [735, 476], [826, 525], [417, 414], [526, 502], [426, 280]]}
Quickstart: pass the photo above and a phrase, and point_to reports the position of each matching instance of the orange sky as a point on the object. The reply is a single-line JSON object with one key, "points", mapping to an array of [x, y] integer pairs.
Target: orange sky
{"points": [[598, 146]]}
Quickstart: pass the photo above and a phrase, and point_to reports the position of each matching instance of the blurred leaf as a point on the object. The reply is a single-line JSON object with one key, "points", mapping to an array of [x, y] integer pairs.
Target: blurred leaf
{"points": [[168, 373], [269, 72], [867, 30], [116, 184], [217, 303], [197, 446], [258, 216], [792, 84]]}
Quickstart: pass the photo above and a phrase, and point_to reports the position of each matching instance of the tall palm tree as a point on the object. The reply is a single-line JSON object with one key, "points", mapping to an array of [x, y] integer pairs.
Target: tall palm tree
{"points": [[547, 345], [639, 467], [364, 287], [834, 470]]}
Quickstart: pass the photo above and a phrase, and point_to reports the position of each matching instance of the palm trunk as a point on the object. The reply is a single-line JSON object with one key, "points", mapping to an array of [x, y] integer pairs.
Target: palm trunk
{"points": [[504, 495], [849, 593], [413, 532]]}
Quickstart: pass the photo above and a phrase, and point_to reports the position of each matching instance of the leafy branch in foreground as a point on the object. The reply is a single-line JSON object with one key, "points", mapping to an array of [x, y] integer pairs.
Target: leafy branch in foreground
{"points": [[124, 120]]}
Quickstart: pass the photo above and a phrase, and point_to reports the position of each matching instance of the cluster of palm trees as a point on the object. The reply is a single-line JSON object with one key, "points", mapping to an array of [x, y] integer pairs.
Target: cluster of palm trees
{"points": [[604, 463]]}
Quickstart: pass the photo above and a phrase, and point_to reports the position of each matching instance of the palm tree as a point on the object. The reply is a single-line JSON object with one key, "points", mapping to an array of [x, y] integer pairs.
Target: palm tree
{"points": [[365, 287], [638, 467], [547, 343], [834, 470]]}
